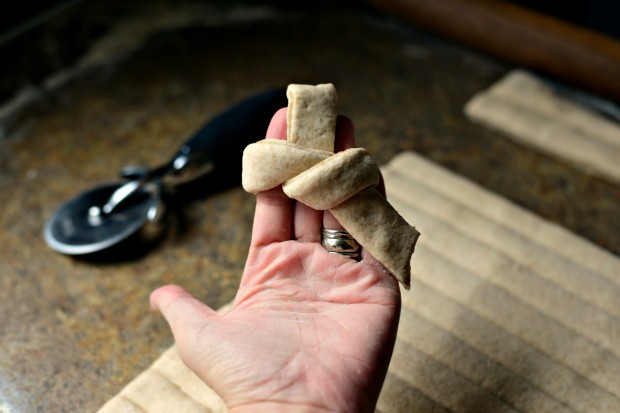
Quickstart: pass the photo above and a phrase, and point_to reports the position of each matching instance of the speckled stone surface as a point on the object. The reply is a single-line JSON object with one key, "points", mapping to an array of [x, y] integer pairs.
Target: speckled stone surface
{"points": [[73, 332]]}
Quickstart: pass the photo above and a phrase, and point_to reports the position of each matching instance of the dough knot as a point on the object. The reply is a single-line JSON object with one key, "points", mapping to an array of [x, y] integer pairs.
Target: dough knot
{"points": [[342, 182]]}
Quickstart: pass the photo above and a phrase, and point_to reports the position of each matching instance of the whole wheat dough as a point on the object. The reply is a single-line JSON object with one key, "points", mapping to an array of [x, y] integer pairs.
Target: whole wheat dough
{"points": [[346, 173], [268, 163], [311, 116], [343, 183]]}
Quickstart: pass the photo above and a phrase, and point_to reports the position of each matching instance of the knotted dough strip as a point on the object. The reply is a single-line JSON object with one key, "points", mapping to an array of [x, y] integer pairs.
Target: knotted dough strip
{"points": [[311, 116], [268, 163], [345, 174], [343, 182], [380, 229]]}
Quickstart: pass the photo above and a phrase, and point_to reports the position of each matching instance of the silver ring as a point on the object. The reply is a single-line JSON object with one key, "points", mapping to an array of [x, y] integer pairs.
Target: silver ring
{"points": [[337, 241]]}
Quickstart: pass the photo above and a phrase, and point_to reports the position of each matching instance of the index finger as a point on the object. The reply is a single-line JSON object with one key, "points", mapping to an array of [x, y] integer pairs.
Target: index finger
{"points": [[273, 217]]}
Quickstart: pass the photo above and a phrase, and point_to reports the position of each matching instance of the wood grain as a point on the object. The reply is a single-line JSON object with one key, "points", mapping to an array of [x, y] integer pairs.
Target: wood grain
{"points": [[521, 36]]}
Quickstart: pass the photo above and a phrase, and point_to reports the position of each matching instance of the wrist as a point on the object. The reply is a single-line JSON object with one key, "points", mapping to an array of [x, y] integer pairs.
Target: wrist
{"points": [[277, 407]]}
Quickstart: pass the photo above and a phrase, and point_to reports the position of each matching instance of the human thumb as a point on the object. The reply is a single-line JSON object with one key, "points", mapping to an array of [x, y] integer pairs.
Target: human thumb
{"points": [[185, 314]]}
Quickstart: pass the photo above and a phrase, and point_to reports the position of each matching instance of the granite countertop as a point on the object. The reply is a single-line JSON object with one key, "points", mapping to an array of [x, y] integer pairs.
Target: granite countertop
{"points": [[74, 331]]}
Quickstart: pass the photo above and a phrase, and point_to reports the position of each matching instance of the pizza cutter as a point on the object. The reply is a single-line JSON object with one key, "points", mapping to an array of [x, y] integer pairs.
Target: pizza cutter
{"points": [[135, 209]]}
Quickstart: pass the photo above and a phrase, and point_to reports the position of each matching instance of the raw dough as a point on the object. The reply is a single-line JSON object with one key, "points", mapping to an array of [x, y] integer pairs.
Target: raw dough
{"points": [[311, 116], [346, 173], [344, 183]]}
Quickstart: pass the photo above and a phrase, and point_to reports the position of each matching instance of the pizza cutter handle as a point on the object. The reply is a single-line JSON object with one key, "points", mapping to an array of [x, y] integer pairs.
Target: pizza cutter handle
{"points": [[216, 150]]}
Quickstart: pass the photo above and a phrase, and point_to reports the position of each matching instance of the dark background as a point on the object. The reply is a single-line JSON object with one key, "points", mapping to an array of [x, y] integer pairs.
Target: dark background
{"points": [[41, 37]]}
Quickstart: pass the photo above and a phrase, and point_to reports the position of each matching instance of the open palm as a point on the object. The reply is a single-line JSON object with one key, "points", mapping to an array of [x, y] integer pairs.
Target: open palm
{"points": [[308, 331]]}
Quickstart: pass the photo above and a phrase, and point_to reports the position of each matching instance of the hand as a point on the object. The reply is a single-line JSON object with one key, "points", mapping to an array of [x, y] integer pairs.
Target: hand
{"points": [[308, 331]]}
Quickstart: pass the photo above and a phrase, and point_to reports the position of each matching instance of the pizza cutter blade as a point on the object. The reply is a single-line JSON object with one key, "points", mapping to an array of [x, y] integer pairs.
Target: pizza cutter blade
{"points": [[111, 214], [75, 230]]}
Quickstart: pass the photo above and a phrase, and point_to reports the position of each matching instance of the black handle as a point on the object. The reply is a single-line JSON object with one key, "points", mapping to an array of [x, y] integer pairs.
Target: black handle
{"points": [[214, 152]]}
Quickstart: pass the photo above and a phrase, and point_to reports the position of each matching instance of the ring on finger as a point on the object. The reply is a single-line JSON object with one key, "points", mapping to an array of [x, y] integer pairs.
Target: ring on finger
{"points": [[338, 241]]}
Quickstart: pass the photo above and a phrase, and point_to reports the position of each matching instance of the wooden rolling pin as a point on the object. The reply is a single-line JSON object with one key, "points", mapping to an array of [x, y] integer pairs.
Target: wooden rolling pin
{"points": [[573, 54]]}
